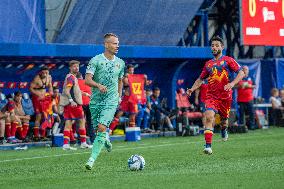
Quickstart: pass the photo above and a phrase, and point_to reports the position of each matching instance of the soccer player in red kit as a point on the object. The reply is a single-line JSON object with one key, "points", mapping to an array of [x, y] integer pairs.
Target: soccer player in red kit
{"points": [[219, 93]]}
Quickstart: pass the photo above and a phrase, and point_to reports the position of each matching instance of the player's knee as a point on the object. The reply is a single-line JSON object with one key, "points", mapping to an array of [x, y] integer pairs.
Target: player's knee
{"points": [[209, 118]]}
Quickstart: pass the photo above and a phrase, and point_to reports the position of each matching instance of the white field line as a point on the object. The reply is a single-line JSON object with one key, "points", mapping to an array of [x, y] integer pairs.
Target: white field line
{"points": [[121, 149], [89, 152]]}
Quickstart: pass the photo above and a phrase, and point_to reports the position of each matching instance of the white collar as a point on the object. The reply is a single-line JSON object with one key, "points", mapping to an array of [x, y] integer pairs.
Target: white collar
{"points": [[107, 58]]}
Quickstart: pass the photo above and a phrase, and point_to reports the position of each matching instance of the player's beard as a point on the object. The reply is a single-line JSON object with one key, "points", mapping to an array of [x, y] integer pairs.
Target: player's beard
{"points": [[216, 53]]}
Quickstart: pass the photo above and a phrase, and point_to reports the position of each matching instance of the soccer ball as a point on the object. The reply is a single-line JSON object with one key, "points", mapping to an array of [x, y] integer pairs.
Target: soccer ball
{"points": [[136, 163]]}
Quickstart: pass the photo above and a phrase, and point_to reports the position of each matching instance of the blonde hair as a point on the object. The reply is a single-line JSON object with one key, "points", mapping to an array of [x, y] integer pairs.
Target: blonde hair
{"points": [[72, 62]]}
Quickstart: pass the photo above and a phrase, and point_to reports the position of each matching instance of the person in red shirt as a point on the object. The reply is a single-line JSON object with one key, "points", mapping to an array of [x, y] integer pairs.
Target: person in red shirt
{"points": [[219, 93], [245, 99], [86, 94], [73, 111]]}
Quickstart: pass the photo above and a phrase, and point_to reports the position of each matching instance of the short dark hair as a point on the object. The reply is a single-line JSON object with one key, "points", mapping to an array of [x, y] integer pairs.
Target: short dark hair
{"points": [[18, 93], [156, 89], [217, 38], [129, 66], [108, 35], [44, 68], [72, 62]]}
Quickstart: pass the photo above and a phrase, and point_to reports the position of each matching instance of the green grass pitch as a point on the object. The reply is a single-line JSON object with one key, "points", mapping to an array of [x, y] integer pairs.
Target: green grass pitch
{"points": [[252, 160]]}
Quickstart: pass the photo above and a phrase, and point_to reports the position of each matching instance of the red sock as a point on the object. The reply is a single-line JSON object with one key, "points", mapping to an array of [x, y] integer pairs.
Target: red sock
{"points": [[82, 133], [114, 123], [14, 128], [36, 131], [25, 130], [72, 138], [20, 131], [66, 136], [208, 134], [8, 129], [43, 132]]}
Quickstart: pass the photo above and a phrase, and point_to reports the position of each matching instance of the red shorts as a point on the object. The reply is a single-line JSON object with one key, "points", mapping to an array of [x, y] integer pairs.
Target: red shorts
{"points": [[222, 107], [42, 105], [73, 113], [127, 106]]}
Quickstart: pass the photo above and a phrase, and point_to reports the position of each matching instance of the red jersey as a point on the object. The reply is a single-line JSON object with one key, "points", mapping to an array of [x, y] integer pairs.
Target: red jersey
{"points": [[245, 94], [217, 72], [203, 91], [84, 88]]}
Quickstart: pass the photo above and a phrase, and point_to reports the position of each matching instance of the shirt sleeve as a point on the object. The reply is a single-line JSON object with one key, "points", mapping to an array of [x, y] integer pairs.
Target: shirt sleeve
{"points": [[121, 73], [70, 81], [205, 73], [92, 66], [233, 65]]}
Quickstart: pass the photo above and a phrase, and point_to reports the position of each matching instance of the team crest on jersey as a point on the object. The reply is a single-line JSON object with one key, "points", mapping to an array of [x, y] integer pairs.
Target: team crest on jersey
{"points": [[118, 66], [222, 62]]}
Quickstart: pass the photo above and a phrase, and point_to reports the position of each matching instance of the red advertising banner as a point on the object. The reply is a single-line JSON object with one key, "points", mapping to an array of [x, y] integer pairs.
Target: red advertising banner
{"points": [[23, 85], [136, 84], [262, 22]]}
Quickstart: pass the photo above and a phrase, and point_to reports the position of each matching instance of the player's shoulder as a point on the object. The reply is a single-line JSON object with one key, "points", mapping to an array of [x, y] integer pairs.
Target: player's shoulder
{"points": [[228, 58], [119, 60], [97, 58]]}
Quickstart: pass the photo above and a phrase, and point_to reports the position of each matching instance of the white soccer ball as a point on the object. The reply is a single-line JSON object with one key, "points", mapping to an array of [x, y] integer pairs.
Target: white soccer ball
{"points": [[136, 163]]}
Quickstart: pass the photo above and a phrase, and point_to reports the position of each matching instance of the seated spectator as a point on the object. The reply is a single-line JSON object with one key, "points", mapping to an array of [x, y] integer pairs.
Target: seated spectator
{"points": [[277, 109], [11, 121], [159, 113], [23, 119], [143, 115]]}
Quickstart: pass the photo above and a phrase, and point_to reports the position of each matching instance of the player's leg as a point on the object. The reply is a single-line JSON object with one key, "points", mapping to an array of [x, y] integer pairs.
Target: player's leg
{"points": [[208, 132], [132, 110], [224, 111], [68, 116], [36, 126], [98, 145], [115, 121], [83, 134], [224, 129]]}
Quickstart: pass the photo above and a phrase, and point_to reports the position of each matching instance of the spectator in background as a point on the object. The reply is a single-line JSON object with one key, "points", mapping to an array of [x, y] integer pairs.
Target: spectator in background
{"points": [[11, 121], [41, 89], [159, 113], [245, 99], [277, 108], [24, 120], [86, 94], [73, 110], [143, 115]]}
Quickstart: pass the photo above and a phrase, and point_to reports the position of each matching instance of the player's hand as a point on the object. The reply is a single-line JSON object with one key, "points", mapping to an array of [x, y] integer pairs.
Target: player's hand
{"points": [[102, 88], [228, 87], [188, 92]]}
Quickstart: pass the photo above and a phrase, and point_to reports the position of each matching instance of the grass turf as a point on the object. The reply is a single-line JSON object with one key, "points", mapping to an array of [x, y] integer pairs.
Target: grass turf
{"points": [[252, 160]]}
